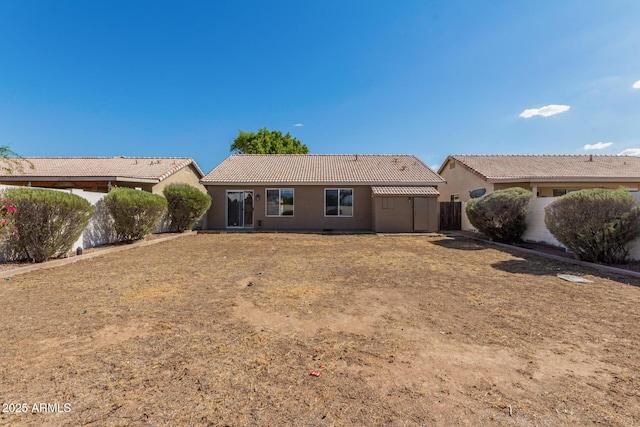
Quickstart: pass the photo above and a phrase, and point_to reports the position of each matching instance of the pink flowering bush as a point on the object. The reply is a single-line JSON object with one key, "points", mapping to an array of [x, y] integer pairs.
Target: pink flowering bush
{"points": [[7, 218]]}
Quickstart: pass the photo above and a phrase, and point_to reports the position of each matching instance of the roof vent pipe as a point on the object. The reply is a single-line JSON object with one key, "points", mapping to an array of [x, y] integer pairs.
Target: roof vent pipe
{"points": [[591, 157]]}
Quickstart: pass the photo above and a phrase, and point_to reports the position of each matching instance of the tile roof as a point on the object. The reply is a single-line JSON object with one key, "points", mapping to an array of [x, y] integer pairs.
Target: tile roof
{"points": [[322, 168], [588, 167], [403, 190], [148, 168]]}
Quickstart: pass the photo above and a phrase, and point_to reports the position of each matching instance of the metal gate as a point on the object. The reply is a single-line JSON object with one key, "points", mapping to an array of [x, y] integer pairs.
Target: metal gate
{"points": [[450, 215]]}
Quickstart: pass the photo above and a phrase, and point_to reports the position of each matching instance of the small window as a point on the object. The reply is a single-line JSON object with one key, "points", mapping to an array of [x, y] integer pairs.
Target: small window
{"points": [[452, 165], [387, 203], [280, 202], [338, 202]]}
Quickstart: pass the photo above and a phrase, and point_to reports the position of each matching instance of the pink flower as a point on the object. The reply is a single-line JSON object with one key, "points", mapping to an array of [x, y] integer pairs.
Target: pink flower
{"points": [[4, 222], [11, 208]]}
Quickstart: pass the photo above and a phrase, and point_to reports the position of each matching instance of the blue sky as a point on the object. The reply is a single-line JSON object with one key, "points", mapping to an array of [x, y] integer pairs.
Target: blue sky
{"points": [[430, 78]]}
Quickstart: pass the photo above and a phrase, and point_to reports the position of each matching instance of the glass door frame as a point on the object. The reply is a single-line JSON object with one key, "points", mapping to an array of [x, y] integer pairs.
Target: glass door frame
{"points": [[243, 213]]}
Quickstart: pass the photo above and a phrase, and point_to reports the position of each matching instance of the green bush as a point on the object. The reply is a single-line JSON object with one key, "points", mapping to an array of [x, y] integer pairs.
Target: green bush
{"points": [[7, 219], [595, 224], [502, 214], [48, 222], [186, 205], [135, 213]]}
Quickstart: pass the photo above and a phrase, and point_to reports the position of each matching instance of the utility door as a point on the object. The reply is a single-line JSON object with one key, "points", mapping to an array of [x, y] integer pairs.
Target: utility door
{"points": [[421, 214]]}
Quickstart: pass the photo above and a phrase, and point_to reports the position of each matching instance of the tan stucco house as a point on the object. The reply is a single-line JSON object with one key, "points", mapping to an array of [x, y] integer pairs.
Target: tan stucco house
{"points": [[544, 175], [100, 174], [317, 192]]}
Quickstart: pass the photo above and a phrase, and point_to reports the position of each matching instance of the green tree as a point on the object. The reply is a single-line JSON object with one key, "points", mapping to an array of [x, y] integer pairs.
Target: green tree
{"points": [[267, 142], [11, 161]]}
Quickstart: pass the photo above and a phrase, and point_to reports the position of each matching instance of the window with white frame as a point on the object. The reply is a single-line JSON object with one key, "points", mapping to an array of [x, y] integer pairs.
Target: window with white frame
{"points": [[279, 201], [338, 202]]}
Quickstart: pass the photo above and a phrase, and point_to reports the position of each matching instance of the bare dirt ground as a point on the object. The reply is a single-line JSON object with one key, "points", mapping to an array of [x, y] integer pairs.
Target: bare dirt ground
{"points": [[406, 331]]}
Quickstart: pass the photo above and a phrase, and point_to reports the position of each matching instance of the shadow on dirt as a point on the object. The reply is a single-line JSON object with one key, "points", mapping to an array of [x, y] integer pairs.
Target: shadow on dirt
{"points": [[534, 265], [531, 264], [460, 243]]}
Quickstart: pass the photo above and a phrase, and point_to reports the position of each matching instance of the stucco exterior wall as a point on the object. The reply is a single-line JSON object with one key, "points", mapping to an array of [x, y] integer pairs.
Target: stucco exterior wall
{"points": [[460, 181], [186, 175], [309, 214]]}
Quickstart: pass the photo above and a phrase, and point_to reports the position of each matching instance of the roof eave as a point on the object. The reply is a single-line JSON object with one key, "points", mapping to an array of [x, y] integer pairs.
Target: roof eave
{"points": [[78, 178], [564, 179], [325, 183]]}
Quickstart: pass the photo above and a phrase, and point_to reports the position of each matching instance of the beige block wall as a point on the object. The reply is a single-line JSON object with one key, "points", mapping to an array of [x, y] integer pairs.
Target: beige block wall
{"points": [[308, 209], [186, 175], [460, 181]]}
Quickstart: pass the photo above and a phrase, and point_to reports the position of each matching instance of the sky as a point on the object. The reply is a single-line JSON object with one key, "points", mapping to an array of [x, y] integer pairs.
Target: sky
{"points": [[431, 78]]}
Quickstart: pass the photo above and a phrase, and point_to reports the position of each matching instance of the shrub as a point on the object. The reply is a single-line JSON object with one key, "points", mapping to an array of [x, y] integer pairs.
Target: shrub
{"points": [[595, 224], [135, 213], [7, 218], [186, 205], [502, 214], [48, 222]]}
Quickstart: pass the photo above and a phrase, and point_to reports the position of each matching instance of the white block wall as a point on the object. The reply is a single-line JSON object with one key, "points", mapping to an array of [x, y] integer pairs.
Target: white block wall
{"points": [[536, 229]]}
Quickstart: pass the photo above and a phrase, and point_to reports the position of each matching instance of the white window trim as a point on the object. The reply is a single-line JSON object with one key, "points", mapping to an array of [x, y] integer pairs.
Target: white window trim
{"points": [[324, 205], [266, 200]]}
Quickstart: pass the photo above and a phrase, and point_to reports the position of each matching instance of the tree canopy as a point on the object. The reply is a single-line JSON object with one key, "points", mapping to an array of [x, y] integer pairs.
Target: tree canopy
{"points": [[267, 142]]}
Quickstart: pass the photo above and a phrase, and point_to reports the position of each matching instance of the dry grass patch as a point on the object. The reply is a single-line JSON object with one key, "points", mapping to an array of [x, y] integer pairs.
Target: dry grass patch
{"points": [[406, 330]]}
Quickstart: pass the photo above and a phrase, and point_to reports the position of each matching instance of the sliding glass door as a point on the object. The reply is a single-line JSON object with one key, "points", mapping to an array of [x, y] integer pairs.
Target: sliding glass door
{"points": [[239, 209]]}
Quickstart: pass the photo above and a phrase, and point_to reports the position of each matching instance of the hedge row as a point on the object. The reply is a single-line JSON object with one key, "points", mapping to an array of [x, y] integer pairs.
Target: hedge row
{"points": [[596, 224], [48, 222]]}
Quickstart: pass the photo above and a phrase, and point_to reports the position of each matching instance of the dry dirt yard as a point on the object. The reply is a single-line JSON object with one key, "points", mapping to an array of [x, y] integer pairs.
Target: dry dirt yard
{"points": [[406, 331]]}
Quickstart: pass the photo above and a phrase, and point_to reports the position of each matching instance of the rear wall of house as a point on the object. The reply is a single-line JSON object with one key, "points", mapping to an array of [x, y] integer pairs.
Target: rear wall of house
{"points": [[309, 210]]}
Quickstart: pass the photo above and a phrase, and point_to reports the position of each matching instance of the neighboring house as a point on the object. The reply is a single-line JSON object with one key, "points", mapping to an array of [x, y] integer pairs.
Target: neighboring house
{"points": [[100, 174], [309, 192], [544, 175]]}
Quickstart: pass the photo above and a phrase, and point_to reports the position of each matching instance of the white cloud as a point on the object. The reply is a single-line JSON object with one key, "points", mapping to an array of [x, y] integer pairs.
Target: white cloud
{"points": [[636, 85], [546, 111], [298, 125], [598, 146], [435, 167], [630, 152]]}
